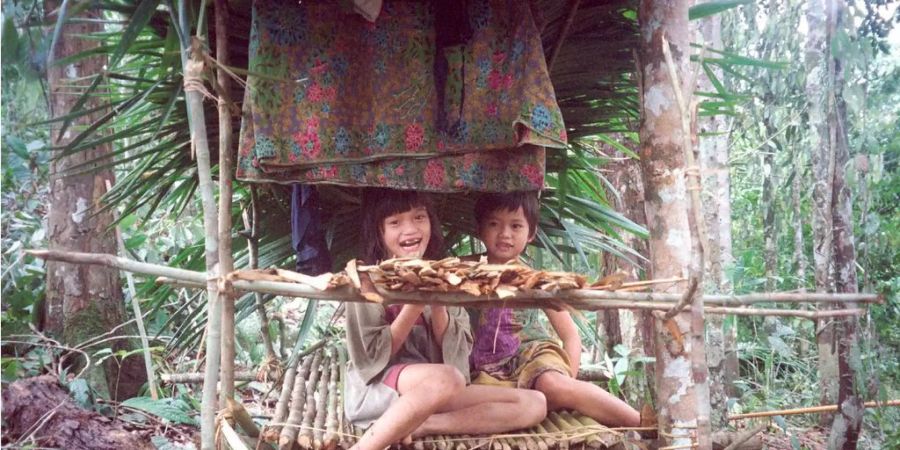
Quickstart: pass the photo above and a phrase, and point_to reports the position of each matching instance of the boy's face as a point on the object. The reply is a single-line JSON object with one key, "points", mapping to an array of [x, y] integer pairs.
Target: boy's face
{"points": [[505, 234]]}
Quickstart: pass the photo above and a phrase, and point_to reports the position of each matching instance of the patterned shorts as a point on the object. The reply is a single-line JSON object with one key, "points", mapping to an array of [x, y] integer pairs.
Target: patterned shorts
{"points": [[523, 369]]}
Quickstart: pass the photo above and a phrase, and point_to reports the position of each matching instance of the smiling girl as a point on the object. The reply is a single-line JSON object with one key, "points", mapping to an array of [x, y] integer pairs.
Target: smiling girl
{"points": [[409, 366]]}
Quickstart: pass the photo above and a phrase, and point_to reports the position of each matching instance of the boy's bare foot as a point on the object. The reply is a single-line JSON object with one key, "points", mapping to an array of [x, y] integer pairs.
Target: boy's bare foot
{"points": [[648, 416], [648, 419]]}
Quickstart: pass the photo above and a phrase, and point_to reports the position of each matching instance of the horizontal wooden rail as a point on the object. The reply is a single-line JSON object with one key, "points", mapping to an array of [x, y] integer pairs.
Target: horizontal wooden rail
{"points": [[583, 299]]}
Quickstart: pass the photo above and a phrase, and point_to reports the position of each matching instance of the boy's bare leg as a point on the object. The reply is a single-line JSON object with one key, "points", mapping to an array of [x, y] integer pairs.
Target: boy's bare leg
{"points": [[487, 409], [564, 392], [424, 389]]}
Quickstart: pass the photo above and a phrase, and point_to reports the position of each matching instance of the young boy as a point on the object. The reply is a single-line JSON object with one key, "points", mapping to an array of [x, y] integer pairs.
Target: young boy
{"points": [[511, 346]]}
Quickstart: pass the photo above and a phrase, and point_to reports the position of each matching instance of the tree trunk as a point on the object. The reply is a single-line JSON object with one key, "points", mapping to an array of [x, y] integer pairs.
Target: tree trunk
{"points": [[662, 137], [770, 251], [799, 247], [799, 241], [83, 301], [716, 183], [847, 424], [818, 84], [636, 327]]}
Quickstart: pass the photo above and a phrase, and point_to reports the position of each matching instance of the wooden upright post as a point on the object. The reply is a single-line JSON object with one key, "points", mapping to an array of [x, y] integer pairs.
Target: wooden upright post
{"points": [[226, 259], [192, 63]]}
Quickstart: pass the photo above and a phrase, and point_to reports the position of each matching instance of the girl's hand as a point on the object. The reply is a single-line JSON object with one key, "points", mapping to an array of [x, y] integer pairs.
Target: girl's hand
{"points": [[440, 320], [402, 325]]}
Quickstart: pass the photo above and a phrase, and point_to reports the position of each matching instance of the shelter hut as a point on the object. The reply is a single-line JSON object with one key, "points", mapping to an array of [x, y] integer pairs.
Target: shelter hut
{"points": [[428, 99]]}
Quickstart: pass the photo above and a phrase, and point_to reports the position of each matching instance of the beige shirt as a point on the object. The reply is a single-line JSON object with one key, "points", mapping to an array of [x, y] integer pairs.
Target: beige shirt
{"points": [[369, 346]]}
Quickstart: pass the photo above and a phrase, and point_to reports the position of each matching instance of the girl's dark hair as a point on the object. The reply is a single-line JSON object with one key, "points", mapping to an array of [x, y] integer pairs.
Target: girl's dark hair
{"points": [[378, 204], [511, 201]]}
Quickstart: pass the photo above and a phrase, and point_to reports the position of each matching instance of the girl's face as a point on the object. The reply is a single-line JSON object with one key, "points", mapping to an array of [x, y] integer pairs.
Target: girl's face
{"points": [[406, 234]]}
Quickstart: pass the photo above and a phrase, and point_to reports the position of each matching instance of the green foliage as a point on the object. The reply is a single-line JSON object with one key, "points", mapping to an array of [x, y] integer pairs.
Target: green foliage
{"points": [[623, 365], [710, 8], [778, 357], [173, 410], [23, 178]]}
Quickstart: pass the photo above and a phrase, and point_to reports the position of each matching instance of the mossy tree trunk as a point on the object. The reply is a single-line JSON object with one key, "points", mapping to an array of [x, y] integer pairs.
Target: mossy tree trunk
{"points": [[818, 85], [663, 159], [847, 426], [83, 301]]}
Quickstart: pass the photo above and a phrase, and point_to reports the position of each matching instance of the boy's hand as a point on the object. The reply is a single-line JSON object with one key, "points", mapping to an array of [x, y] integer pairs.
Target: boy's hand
{"points": [[565, 327]]}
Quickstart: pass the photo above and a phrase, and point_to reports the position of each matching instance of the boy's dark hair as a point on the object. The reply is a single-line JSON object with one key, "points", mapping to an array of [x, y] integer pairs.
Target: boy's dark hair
{"points": [[378, 204], [511, 201]]}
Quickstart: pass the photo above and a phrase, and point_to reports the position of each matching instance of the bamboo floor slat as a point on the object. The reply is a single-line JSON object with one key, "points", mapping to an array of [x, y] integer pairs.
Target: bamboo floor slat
{"points": [[559, 431]]}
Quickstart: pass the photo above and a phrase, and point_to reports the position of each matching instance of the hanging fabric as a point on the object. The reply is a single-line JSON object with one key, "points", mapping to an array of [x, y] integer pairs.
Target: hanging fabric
{"points": [[333, 98], [307, 232]]}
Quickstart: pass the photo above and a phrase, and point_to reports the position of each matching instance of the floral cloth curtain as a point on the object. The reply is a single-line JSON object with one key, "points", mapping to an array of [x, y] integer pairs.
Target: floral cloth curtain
{"points": [[332, 98]]}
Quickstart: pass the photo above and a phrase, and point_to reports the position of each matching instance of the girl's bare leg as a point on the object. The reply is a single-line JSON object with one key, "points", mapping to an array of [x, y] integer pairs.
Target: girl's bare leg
{"points": [[564, 392], [486, 409], [424, 389]]}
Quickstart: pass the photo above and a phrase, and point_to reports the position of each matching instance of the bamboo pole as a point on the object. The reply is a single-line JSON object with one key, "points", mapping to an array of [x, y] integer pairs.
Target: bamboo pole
{"points": [[321, 402], [342, 422], [309, 413], [242, 417], [226, 259], [193, 86], [251, 223], [138, 315], [195, 377], [331, 420], [232, 439], [561, 438], [441, 442], [549, 441], [297, 402], [591, 425], [505, 444], [571, 429], [810, 410]]}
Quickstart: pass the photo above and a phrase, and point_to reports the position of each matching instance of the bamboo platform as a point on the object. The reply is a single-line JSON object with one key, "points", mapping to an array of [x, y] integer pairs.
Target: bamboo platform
{"points": [[315, 418]]}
